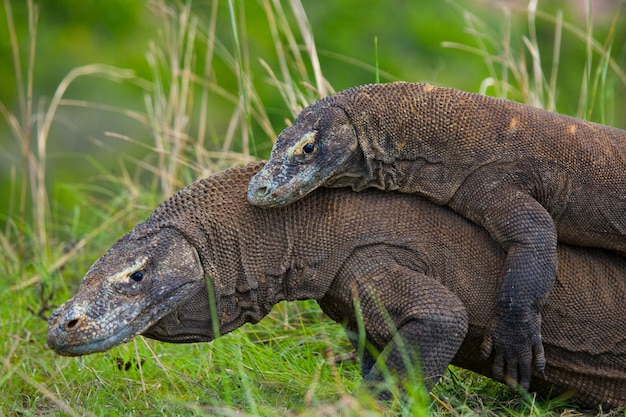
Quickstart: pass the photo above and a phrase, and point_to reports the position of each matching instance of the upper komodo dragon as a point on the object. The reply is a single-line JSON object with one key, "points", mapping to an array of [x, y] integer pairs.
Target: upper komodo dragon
{"points": [[526, 175], [438, 280]]}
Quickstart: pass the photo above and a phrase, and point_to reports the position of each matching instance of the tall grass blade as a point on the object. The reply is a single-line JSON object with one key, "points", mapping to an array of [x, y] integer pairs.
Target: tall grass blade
{"points": [[248, 137]]}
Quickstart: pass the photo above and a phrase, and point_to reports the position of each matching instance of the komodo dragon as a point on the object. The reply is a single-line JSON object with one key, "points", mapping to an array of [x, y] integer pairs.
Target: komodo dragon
{"points": [[437, 280], [526, 175]]}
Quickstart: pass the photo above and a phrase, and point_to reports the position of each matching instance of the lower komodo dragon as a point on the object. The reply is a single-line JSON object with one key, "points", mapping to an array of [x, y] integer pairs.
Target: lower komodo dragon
{"points": [[434, 273], [527, 175]]}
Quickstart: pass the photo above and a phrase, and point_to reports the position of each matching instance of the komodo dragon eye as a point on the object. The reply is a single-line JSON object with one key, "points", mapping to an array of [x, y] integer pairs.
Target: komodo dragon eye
{"points": [[304, 146], [137, 276], [308, 148]]}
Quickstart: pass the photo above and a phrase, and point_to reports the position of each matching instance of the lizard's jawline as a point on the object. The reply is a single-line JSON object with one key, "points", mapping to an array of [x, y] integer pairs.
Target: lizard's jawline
{"points": [[99, 346]]}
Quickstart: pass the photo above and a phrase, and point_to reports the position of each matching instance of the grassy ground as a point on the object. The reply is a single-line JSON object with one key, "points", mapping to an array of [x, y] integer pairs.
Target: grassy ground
{"points": [[295, 362]]}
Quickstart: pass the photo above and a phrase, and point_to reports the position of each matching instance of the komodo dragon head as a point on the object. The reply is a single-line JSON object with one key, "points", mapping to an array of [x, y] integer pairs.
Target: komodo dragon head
{"points": [[158, 265], [319, 145]]}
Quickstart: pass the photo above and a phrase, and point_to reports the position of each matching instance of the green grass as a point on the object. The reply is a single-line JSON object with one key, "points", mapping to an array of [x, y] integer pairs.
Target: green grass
{"points": [[295, 362]]}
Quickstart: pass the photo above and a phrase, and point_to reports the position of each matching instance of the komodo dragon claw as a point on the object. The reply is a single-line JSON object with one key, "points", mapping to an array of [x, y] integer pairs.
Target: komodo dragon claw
{"points": [[513, 355]]}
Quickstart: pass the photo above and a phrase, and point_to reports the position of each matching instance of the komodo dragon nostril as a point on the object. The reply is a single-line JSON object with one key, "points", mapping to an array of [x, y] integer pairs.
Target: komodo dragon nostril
{"points": [[263, 191], [71, 324]]}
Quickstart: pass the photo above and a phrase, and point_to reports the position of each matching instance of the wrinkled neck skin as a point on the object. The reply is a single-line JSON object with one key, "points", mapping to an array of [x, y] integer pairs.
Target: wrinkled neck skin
{"points": [[380, 160], [383, 171], [398, 147]]}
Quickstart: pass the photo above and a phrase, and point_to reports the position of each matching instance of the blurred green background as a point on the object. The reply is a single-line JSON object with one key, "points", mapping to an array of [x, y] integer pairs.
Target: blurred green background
{"points": [[403, 38]]}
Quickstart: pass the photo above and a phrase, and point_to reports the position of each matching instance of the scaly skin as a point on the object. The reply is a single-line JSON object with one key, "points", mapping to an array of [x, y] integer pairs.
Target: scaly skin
{"points": [[527, 175], [435, 284]]}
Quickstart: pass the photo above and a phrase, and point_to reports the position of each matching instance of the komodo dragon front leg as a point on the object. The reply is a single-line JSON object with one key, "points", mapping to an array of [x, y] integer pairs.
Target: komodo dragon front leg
{"points": [[526, 231], [414, 324]]}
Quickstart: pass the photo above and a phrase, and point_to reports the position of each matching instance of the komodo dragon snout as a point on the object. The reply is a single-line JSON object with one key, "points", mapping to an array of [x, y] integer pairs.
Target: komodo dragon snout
{"points": [[321, 143], [160, 266]]}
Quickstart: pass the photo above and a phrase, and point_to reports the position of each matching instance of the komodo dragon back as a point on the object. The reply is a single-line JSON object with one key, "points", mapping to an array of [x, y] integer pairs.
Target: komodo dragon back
{"points": [[437, 281], [529, 176]]}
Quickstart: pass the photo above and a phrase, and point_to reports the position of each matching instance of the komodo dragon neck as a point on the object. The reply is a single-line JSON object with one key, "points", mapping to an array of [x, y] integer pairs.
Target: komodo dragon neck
{"points": [[254, 258]]}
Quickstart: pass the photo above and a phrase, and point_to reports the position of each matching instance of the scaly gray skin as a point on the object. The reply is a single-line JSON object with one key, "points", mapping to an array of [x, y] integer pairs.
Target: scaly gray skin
{"points": [[438, 280], [527, 175]]}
